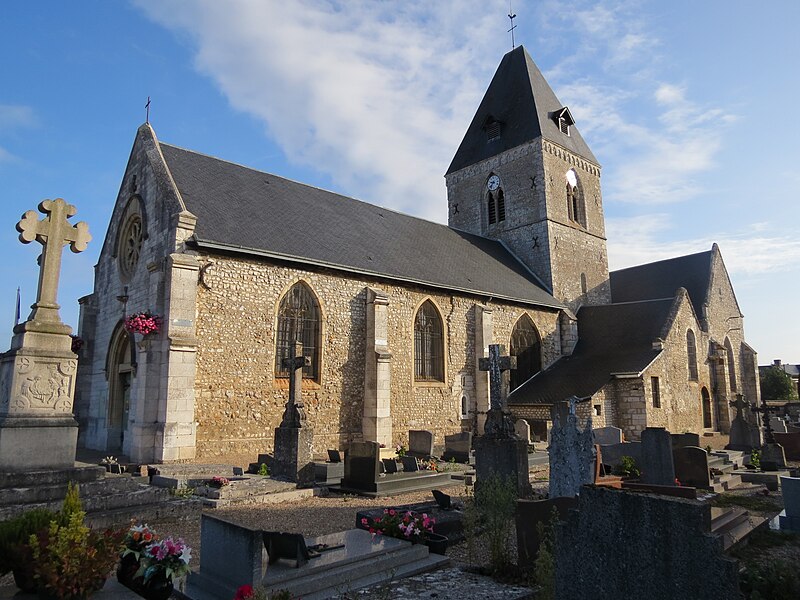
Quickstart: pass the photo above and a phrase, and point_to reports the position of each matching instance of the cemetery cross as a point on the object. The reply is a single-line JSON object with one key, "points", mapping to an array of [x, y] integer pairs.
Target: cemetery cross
{"points": [[764, 411], [739, 404], [497, 422], [52, 232], [294, 415]]}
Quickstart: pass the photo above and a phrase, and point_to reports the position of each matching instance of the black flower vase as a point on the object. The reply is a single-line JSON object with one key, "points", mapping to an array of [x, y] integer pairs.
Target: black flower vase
{"points": [[128, 565], [437, 544], [158, 587]]}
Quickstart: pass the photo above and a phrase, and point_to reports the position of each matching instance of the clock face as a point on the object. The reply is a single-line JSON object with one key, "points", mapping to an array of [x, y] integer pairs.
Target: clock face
{"points": [[493, 183]]}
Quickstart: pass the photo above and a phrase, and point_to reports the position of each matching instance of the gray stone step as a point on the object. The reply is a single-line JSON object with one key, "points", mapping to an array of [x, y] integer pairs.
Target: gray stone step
{"points": [[343, 579], [50, 477], [728, 481]]}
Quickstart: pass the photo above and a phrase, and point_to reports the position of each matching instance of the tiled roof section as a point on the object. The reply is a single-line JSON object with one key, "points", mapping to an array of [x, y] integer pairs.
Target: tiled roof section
{"points": [[663, 278], [241, 209], [614, 338], [521, 99]]}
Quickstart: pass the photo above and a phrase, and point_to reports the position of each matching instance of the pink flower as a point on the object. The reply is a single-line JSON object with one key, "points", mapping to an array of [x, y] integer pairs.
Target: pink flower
{"points": [[364, 521]]}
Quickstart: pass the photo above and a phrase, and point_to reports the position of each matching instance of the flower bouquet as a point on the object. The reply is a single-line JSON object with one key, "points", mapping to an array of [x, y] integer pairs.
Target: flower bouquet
{"points": [[403, 525], [143, 322], [135, 542], [218, 482], [161, 561]]}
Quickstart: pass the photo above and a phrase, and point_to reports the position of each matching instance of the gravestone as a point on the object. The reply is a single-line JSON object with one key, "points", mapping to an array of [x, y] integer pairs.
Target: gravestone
{"points": [[612, 455], [361, 465], [410, 464], [789, 519], [571, 451], [691, 467], [37, 375], [523, 430], [772, 455], [657, 465], [741, 436], [606, 436], [420, 443], [790, 443], [458, 446], [499, 452], [389, 465], [293, 458], [334, 456], [778, 425], [528, 515], [681, 440]]}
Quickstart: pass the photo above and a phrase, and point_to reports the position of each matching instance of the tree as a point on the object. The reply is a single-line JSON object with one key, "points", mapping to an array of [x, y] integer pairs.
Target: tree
{"points": [[777, 385]]}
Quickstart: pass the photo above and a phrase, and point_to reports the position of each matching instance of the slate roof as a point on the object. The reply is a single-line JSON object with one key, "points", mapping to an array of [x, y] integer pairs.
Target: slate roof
{"points": [[663, 278], [614, 338], [244, 210], [523, 101]]}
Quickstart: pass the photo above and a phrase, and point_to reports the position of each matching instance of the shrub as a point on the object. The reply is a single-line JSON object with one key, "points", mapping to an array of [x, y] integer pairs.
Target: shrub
{"points": [[495, 499], [263, 469], [627, 467], [544, 568], [777, 579], [16, 532]]}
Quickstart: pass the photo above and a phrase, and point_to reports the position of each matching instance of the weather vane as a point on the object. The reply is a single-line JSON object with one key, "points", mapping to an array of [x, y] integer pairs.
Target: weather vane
{"points": [[511, 17], [147, 107]]}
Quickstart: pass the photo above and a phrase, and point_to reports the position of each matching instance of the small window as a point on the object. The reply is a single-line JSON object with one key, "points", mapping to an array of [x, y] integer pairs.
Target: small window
{"points": [[563, 125], [130, 247], [731, 364], [428, 344], [464, 407], [576, 209], [691, 353], [584, 284], [656, 392], [492, 131], [501, 205], [598, 410], [491, 206]]}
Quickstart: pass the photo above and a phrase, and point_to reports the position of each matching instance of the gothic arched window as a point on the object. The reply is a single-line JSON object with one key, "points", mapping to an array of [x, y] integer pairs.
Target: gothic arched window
{"points": [[526, 345], [298, 319], [691, 354], [731, 364], [575, 205], [428, 344], [495, 200]]}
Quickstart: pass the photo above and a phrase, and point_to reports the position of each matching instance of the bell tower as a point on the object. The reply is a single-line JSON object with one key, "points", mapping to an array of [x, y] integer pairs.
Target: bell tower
{"points": [[524, 175]]}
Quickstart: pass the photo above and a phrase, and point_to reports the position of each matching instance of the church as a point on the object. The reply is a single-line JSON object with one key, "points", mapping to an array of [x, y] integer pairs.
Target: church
{"points": [[231, 266]]}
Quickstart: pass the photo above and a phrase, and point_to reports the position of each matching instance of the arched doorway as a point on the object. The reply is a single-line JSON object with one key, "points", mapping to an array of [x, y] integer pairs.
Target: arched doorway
{"points": [[120, 378], [706, 402]]}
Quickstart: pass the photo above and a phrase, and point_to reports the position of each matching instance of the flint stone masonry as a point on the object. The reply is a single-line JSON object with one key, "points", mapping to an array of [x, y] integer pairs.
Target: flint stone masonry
{"points": [[628, 545]]}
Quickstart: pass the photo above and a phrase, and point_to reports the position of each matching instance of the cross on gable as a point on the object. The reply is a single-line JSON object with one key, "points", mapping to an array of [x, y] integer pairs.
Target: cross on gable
{"points": [[52, 232]]}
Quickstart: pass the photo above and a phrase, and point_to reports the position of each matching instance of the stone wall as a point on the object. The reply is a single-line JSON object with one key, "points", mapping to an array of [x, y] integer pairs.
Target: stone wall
{"points": [[626, 545], [240, 402]]}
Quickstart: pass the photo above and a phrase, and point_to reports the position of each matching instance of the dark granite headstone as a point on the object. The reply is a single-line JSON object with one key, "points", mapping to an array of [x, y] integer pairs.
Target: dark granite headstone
{"points": [[362, 463], [420, 443], [289, 546], [528, 515], [657, 466], [410, 464], [334, 456], [790, 443], [443, 500], [389, 465], [458, 446], [691, 466], [238, 471], [606, 436], [681, 440]]}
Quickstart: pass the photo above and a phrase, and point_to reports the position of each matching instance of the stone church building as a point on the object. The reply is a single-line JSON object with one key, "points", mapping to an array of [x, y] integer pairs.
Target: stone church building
{"points": [[394, 311]]}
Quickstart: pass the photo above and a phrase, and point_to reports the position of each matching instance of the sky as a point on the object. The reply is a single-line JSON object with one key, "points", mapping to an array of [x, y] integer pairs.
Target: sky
{"points": [[686, 104]]}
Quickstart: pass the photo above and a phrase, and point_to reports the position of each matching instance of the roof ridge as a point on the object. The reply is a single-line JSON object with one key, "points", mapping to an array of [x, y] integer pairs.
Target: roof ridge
{"points": [[663, 260]]}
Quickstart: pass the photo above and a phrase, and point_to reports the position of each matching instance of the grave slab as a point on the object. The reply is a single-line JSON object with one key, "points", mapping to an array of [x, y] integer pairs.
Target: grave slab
{"points": [[606, 436], [790, 443], [420, 443], [458, 447], [789, 519], [691, 466], [657, 466]]}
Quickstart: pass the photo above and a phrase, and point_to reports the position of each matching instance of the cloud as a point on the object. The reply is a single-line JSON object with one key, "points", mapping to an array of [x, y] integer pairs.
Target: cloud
{"points": [[14, 116], [750, 253], [377, 99]]}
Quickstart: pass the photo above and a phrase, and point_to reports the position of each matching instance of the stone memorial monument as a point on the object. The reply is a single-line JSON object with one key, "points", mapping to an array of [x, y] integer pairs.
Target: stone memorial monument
{"points": [[37, 375], [572, 452], [741, 437], [772, 455], [500, 452], [293, 458]]}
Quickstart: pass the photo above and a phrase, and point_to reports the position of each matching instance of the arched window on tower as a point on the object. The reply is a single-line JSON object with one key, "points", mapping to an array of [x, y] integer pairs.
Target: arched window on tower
{"points": [[575, 204], [298, 319], [495, 200], [731, 364], [691, 354], [526, 345], [428, 344]]}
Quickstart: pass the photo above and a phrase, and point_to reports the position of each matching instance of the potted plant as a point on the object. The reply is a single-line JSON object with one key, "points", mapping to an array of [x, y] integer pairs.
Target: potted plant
{"points": [[143, 323], [218, 482], [407, 525], [160, 563], [14, 550], [135, 542]]}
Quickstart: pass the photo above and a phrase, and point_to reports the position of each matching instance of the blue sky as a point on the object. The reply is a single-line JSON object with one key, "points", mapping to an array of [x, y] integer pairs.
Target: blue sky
{"points": [[687, 105]]}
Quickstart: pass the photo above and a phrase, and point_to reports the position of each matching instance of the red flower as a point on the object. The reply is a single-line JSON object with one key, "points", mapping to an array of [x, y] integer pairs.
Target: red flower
{"points": [[243, 592]]}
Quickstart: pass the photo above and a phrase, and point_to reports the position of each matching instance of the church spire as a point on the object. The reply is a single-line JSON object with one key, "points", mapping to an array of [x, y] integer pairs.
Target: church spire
{"points": [[518, 107]]}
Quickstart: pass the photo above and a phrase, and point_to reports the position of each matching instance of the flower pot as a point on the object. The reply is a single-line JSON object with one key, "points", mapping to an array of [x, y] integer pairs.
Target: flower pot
{"points": [[158, 587], [436, 543], [128, 565]]}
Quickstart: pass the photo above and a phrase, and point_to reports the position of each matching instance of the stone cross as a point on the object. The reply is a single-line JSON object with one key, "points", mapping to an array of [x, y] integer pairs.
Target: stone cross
{"points": [[498, 366], [294, 415], [764, 411], [739, 404], [52, 232]]}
